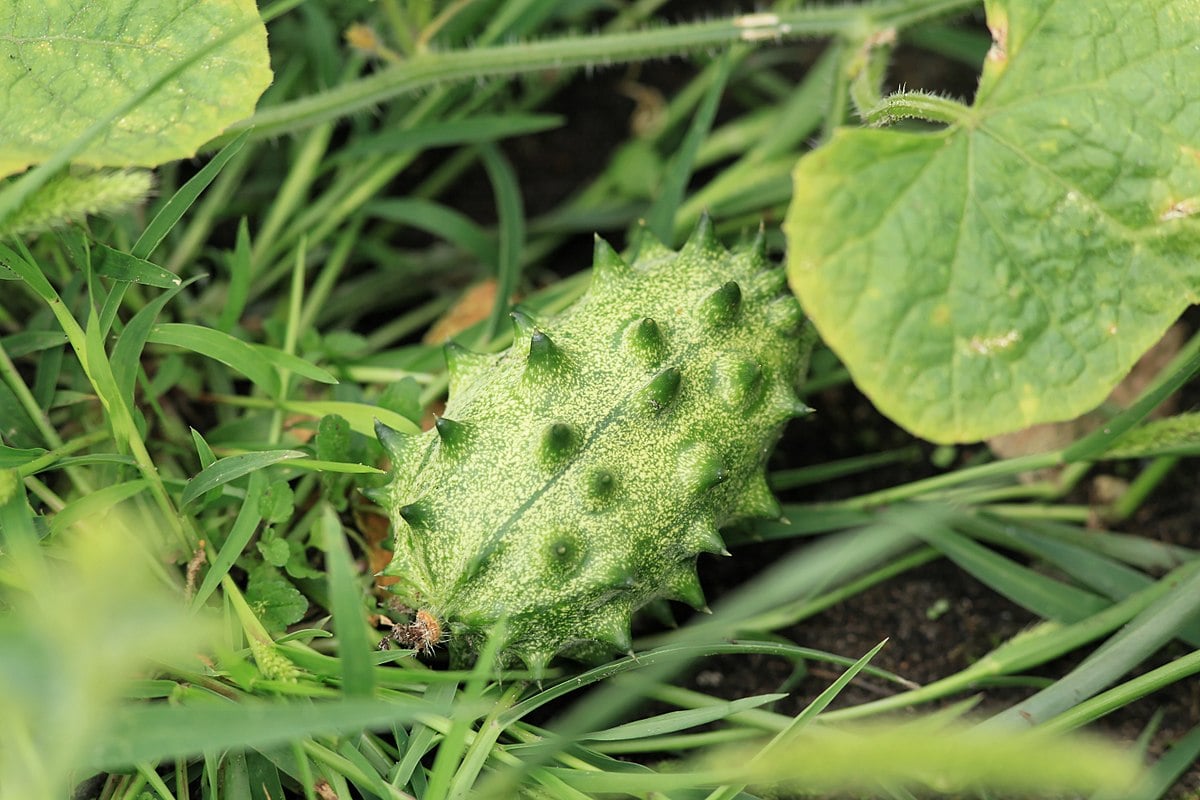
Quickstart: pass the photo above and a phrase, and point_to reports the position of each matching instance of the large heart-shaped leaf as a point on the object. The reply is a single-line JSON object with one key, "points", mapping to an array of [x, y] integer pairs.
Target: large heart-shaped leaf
{"points": [[1010, 268], [66, 64]]}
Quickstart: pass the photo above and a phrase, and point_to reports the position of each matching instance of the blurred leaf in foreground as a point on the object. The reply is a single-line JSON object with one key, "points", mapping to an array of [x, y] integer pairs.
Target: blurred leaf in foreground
{"points": [[79, 619]]}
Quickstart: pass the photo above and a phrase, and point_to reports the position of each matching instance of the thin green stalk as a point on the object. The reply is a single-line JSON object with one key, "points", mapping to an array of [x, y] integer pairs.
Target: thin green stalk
{"points": [[1121, 696], [212, 206], [302, 171], [909, 491], [291, 335], [805, 476], [1141, 487], [12, 377], [480, 63], [408, 323], [81, 442], [354, 187], [327, 278], [1060, 513], [795, 612], [43, 492], [1031, 648]]}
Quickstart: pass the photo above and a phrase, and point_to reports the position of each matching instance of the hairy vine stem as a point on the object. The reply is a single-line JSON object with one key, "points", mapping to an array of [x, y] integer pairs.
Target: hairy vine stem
{"points": [[431, 68]]}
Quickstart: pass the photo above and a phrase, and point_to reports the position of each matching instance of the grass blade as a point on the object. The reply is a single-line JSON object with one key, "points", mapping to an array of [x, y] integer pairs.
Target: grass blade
{"points": [[346, 603], [182, 200], [231, 468], [150, 733], [1044, 596], [1137, 641], [673, 721], [660, 219], [244, 527], [511, 213], [118, 266], [440, 221], [95, 503]]}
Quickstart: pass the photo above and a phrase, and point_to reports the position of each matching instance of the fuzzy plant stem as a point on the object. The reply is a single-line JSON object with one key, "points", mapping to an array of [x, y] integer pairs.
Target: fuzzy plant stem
{"points": [[481, 63]]}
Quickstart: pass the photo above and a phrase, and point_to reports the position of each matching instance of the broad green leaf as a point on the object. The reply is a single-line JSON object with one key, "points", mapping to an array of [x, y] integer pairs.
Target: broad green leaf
{"points": [[64, 66], [1010, 268], [275, 601]]}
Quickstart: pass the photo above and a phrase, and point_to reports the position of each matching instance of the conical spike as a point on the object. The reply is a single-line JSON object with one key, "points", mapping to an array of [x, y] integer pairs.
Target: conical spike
{"points": [[376, 494], [703, 238], [662, 389], [645, 340], [757, 500], [701, 536], [738, 382], [535, 662], [783, 404], [684, 585], [523, 324], [464, 365], [543, 354], [646, 246], [565, 552], [701, 467], [399, 446], [721, 308], [611, 626], [607, 265], [785, 315], [758, 247], [772, 281], [559, 441], [600, 489], [454, 435], [416, 514]]}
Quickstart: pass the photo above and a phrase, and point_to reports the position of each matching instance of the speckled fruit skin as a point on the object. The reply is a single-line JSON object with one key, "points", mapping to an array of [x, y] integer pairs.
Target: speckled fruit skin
{"points": [[576, 476]]}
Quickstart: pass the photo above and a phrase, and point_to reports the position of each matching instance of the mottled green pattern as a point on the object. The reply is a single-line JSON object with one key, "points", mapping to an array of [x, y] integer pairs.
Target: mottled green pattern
{"points": [[576, 476]]}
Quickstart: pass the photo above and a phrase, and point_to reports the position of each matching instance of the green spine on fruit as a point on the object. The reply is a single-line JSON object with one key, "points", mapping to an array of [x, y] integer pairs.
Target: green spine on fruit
{"points": [[575, 477]]}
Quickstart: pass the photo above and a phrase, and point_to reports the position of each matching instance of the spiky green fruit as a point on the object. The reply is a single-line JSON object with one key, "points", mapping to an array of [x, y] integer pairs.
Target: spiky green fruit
{"points": [[575, 477]]}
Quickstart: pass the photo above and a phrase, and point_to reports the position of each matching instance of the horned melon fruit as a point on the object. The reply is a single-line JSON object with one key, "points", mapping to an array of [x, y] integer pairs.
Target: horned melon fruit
{"points": [[576, 476]]}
